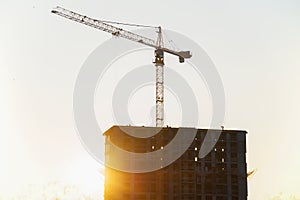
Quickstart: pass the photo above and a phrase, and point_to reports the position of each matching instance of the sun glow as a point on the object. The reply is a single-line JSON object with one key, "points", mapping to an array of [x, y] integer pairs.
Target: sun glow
{"points": [[88, 175]]}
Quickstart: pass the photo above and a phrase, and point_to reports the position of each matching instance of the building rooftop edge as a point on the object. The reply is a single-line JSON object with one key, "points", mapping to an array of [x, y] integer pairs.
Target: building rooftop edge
{"points": [[169, 127]]}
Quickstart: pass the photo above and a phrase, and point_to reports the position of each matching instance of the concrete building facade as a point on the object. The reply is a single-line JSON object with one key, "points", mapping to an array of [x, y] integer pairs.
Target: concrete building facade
{"points": [[220, 175]]}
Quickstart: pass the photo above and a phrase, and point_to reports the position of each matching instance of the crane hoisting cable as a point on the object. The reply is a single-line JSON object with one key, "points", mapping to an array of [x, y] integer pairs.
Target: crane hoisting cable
{"points": [[157, 45]]}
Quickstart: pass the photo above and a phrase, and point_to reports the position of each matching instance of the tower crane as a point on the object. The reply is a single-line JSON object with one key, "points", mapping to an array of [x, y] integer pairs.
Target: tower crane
{"points": [[157, 45]]}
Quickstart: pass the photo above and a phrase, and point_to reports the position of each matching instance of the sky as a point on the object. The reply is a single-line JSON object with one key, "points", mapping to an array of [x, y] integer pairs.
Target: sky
{"points": [[255, 46]]}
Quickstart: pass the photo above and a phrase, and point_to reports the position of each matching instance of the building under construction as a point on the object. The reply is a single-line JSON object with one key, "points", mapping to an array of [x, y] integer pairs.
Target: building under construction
{"points": [[221, 174]]}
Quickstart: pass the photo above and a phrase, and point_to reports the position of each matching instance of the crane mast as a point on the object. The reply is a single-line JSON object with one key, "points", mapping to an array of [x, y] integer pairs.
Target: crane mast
{"points": [[158, 45], [159, 80]]}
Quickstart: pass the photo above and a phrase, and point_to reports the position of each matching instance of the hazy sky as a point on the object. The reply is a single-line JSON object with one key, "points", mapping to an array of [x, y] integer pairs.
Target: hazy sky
{"points": [[255, 46]]}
